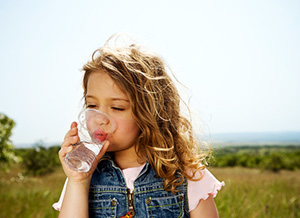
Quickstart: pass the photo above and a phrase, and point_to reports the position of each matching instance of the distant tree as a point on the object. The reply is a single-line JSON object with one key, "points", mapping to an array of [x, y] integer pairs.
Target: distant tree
{"points": [[7, 154]]}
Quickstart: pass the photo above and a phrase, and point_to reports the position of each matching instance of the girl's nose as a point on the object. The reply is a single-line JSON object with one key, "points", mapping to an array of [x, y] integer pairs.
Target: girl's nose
{"points": [[101, 119]]}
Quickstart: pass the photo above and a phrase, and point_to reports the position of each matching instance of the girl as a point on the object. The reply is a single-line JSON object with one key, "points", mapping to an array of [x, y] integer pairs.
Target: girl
{"points": [[152, 165]]}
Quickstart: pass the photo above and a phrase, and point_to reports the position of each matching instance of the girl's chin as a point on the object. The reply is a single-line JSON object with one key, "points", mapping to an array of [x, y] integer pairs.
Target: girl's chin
{"points": [[116, 149]]}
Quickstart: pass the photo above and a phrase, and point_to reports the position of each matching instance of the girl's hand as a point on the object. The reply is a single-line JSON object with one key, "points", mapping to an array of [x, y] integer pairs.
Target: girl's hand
{"points": [[66, 147]]}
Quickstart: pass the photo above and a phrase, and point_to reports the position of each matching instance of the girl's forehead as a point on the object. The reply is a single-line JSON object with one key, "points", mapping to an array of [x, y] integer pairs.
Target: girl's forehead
{"points": [[100, 82]]}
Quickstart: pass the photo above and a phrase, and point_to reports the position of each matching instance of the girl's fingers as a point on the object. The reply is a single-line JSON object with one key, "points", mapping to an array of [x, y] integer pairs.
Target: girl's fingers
{"points": [[73, 124], [67, 147], [64, 150], [69, 141], [70, 138]]}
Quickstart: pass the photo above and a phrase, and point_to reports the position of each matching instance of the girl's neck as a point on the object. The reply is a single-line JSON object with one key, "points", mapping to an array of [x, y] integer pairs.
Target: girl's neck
{"points": [[127, 159]]}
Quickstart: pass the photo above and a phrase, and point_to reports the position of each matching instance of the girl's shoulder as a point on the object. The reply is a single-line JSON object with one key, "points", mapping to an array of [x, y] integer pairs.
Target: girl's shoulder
{"points": [[203, 188]]}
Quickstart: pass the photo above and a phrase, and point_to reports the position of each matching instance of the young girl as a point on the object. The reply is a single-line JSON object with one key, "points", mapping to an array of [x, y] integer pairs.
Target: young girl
{"points": [[152, 164]]}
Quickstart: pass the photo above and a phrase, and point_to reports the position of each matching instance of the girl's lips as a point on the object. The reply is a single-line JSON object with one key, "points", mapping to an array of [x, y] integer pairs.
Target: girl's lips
{"points": [[100, 135]]}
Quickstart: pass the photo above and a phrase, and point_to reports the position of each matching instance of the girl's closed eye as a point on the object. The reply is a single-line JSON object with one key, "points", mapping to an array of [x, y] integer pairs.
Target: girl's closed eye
{"points": [[117, 108], [91, 106]]}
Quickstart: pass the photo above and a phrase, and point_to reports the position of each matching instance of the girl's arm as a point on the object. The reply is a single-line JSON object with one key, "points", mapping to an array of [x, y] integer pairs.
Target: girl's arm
{"points": [[75, 202], [206, 208]]}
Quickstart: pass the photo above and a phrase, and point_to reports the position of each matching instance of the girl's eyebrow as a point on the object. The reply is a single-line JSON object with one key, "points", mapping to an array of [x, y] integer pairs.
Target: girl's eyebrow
{"points": [[112, 99], [119, 99], [88, 96]]}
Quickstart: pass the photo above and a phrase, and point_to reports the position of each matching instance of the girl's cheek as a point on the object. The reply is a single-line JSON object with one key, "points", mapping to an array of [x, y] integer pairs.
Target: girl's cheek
{"points": [[116, 122], [116, 127]]}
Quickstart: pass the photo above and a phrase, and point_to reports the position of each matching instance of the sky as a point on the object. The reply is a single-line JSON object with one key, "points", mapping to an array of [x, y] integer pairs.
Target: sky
{"points": [[238, 59]]}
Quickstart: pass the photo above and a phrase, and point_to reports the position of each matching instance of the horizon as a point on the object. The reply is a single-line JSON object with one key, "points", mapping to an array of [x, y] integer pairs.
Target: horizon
{"points": [[223, 139]]}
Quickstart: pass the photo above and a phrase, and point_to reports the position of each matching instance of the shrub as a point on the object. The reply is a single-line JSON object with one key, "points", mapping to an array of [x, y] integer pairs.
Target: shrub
{"points": [[273, 162], [39, 160]]}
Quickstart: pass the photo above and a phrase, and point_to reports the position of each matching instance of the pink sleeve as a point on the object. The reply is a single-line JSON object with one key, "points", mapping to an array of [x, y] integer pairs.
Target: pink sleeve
{"points": [[201, 189], [58, 204]]}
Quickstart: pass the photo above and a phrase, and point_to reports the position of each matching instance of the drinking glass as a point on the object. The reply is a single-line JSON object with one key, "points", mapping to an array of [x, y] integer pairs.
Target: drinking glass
{"points": [[94, 127]]}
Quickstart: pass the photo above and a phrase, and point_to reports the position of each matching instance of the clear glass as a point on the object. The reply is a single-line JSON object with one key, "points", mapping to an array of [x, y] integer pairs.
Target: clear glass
{"points": [[94, 127]]}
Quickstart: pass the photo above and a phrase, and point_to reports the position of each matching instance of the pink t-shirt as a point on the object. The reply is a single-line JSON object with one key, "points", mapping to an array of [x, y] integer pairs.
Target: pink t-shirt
{"points": [[197, 190]]}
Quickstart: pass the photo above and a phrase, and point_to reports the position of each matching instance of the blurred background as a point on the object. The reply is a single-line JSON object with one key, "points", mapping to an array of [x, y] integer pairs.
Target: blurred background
{"points": [[238, 59]]}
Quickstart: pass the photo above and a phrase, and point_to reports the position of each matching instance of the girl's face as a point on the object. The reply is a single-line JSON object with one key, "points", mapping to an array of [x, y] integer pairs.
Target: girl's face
{"points": [[104, 94]]}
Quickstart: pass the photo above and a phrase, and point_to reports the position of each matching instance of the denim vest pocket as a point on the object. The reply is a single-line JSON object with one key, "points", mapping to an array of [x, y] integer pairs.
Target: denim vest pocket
{"points": [[160, 207], [103, 208]]}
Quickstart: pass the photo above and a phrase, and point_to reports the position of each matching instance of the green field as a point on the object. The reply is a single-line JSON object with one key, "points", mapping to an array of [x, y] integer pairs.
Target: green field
{"points": [[248, 193], [256, 193]]}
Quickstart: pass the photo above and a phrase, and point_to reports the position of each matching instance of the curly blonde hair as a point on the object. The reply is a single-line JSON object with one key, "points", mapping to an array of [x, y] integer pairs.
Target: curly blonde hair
{"points": [[166, 139]]}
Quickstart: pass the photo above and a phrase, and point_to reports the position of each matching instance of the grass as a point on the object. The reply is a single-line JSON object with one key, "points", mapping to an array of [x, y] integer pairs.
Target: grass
{"points": [[248, 193], [253, 193], [29, 196]]}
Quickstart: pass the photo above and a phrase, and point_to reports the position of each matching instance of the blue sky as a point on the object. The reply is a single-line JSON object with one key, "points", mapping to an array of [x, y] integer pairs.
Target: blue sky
{"points": [[239, 59]]}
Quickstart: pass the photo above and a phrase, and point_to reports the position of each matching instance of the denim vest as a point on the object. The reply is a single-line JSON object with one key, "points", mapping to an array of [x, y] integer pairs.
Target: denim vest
{"points": [[109, 196]]}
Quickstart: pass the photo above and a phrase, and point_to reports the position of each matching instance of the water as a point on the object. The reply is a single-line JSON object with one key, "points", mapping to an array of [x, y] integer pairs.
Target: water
{"points": [[82, 156]]}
